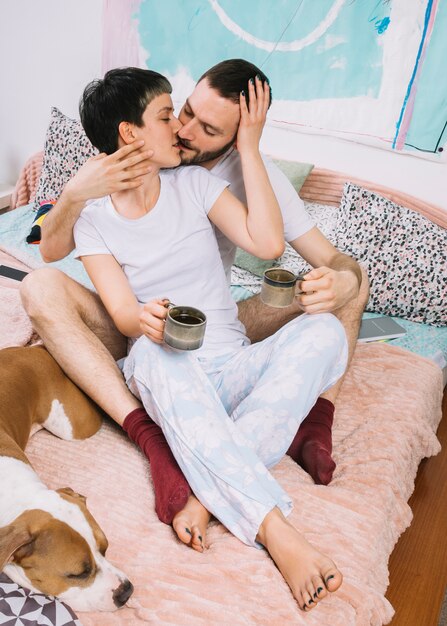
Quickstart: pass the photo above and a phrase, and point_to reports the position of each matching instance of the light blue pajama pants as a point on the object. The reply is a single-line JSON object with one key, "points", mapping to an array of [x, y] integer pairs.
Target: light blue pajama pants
{"points": [[229, 418]]}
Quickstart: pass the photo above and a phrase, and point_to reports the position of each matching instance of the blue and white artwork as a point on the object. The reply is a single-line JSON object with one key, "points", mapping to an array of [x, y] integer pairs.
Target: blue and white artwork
{"points": [[365, 70]]}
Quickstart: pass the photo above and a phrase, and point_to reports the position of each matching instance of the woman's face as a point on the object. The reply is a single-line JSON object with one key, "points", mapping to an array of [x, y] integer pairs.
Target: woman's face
{"points": [[159, 132]]}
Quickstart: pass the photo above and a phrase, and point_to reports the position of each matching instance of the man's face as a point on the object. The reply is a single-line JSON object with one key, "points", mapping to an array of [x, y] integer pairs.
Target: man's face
{"points": [[210, 125]]}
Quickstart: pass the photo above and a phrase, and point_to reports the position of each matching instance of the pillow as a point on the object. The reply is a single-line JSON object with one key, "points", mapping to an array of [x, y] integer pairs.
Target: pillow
{"points": [[403, 253], [36, 226], [297, 173], [326, 218], [21, 606], [254, 265], [66, 149]]}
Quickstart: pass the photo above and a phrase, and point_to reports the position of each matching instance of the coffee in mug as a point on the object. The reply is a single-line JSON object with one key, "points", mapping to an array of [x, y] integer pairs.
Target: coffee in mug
{"points": [[184, 327], [278, 287]]}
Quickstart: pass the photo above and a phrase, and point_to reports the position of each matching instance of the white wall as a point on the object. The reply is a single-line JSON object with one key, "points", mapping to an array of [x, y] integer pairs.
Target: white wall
{"points": [[418, 177], [50, 49]]}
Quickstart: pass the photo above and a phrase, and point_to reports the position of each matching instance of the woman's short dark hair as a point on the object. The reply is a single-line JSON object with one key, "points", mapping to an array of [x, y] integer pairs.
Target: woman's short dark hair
{"points": [[121, 96], [230, 77]]}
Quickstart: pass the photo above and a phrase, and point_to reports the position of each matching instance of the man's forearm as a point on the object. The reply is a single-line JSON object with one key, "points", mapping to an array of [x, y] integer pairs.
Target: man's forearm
{"points": [[57, 228], [343, 263]]}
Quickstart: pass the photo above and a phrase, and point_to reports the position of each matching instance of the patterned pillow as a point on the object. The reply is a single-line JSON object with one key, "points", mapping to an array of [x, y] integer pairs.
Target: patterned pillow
{"points": [[66, 149], [24, 607], [404, 254]]}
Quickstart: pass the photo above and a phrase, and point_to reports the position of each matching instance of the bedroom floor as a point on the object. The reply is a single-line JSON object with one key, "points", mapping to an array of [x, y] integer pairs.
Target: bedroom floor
{"points": [[418, 565]]}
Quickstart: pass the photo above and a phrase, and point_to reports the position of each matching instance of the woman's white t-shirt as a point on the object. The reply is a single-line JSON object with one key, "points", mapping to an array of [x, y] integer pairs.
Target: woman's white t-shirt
{"points": [[171, 252]]}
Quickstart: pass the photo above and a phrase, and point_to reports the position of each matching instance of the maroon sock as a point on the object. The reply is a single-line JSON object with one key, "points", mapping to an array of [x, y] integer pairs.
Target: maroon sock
{"points": [[312, 446], [170, 486]]}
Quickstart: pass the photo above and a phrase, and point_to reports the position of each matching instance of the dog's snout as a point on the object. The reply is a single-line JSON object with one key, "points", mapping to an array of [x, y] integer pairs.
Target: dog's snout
{"points": [[122, 593]]}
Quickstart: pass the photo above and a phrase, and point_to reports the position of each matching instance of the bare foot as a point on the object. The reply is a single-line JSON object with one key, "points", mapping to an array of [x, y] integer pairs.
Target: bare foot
{"points": [[190, 524], [309, 573]]}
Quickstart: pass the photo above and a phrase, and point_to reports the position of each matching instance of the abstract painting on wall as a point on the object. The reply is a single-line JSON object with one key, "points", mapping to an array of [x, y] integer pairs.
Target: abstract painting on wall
{"points": [[370, 71]]}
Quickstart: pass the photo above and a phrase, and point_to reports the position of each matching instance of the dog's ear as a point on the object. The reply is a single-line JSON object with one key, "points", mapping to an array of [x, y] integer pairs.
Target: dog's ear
{"points": [[68, 491], [100, 538], [13, 538]]}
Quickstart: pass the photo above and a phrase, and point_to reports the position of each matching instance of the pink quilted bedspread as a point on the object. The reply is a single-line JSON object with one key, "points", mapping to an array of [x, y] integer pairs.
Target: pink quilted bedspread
{"points": [[386, 417]]}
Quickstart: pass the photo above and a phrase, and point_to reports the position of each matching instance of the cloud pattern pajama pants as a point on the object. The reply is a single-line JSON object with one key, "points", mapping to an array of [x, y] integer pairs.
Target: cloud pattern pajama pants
{"points": [[228, 419]]}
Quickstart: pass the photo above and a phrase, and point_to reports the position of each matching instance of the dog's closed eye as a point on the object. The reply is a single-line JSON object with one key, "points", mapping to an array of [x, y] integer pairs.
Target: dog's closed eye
{"points": [[86, 573]]}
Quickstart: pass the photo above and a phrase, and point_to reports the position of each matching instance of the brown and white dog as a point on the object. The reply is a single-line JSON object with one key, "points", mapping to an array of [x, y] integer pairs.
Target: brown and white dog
{"points": [[49, 542]]}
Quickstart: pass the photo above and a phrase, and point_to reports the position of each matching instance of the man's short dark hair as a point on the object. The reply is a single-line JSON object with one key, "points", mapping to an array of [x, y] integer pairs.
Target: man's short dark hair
{"points": [[121, 96], [230, 77]]}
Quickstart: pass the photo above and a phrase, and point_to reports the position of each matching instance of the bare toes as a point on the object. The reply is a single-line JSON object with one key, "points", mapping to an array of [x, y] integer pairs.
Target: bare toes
{"points": [[197, 539], [312, 595], [301, 601], [183, 533], [310, 602], [320, 590], [333, 579]]}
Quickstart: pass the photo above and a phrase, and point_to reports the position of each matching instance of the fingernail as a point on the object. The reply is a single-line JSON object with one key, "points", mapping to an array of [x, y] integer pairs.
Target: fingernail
{"points": [[188, 531], [310, 601], [330, 577], [258, 77], [242, 93], [252, 81], [315, 594], [320, 589], [200, 537]]}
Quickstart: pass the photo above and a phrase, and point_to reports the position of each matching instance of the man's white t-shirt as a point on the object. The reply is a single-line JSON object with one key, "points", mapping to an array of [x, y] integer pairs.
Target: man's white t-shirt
{"points": [[296, 220], [171, 252]]}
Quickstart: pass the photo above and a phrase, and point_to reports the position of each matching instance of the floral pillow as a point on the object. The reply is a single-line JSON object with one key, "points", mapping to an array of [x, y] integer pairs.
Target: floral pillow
{"points": [[404, 254], [66, 149]]}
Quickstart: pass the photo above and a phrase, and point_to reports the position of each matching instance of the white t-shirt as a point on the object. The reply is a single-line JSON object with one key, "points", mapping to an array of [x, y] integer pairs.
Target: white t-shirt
{"points": [[296, 220], [171, 252]]}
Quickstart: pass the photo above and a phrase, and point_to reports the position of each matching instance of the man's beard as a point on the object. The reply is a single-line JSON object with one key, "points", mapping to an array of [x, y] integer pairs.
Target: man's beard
{"points": [[201, 157]]}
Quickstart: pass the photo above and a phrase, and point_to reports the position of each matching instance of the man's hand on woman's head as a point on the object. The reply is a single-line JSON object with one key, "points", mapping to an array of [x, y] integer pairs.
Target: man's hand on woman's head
{"points": [[104, 174], [254, 115]]}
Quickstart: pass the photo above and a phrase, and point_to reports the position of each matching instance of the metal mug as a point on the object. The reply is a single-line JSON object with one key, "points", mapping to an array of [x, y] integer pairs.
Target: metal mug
{"points": [[184, 327], [278, 287]]}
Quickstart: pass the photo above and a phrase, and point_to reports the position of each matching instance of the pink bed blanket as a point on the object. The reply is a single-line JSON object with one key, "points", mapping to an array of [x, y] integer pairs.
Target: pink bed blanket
{"points": [[386, 418]]}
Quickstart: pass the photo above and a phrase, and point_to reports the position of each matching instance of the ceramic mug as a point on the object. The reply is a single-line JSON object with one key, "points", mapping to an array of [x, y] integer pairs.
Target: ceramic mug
{"points": [[184, 327], [278, 287]]}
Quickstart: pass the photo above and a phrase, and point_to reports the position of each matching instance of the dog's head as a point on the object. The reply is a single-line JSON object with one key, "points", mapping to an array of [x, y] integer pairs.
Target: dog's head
{"points": [[62, 553]]}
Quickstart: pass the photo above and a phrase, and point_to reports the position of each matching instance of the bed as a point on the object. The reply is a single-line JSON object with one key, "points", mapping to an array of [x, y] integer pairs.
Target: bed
{"points": [[386, 418]]}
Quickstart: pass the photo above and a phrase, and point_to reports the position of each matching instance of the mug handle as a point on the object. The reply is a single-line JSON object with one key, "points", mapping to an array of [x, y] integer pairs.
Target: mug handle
{"points": [[169, 304]]}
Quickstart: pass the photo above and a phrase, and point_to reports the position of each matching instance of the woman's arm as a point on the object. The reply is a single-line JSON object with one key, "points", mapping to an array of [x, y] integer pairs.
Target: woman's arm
{"points": [[257, 228], [130, 317], [100, 176]]}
